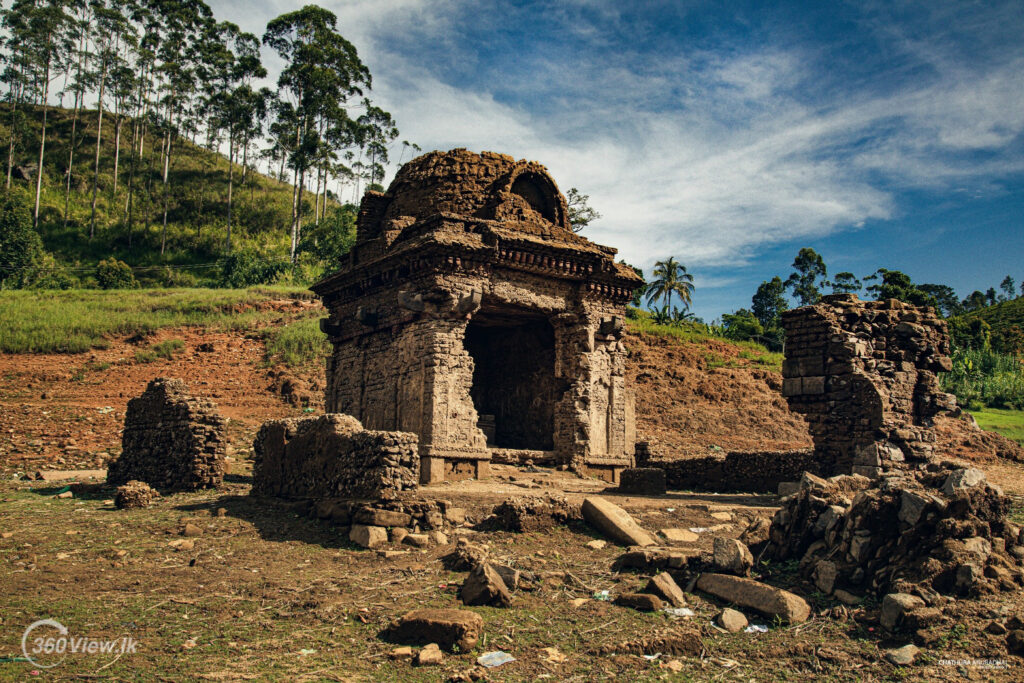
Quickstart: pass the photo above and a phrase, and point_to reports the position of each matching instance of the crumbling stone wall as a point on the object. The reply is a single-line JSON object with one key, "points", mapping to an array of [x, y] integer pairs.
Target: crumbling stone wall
{"points": [[332, 456], [462, 243], [753, 471], [864, 375], [171, 440]]}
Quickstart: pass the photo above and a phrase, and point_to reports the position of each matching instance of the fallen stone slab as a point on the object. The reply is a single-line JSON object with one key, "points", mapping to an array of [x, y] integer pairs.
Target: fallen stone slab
{"points": [[768, 600], [666, 588], [484, 586], [615, 522], [680, 535], [651, 559], [375, 517], [449, 628]]}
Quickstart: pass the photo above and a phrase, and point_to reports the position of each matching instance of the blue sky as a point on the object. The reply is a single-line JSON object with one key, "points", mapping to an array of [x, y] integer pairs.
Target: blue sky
{"points": [[730, 134]]}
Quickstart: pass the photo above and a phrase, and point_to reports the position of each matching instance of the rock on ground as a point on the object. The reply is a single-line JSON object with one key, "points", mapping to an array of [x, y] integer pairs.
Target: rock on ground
{"points": [[134, 494], [449, 628], [484, 586], [430, 655], [615, 522], [666, 588], [731, 556], [643, 602], [731, 620], [368, 536], [768, 600], [902, 656]]}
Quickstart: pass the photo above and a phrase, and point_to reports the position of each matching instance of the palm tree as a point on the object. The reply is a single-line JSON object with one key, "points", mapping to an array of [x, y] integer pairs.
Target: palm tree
{"points": [[670, 277]]}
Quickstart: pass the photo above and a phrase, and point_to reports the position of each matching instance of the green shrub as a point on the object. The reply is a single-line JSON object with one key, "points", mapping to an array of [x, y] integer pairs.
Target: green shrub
{"points": [[248, 267], [20, 244], [114, 274], [982, 377], [298, 343]]}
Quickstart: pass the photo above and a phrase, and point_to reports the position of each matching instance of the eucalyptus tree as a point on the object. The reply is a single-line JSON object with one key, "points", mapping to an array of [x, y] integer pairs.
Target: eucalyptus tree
{"points": [[49, 44], [322, 71], [808, 276], [17, 70], [111, 29], [81, 23]]}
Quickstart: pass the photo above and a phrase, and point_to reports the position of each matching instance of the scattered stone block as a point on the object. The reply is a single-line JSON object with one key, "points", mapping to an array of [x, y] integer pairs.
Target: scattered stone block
{"points": [[368, 536], [438, 537], [134, 494], [666, 588], [731, 620], [895, 607], [192, 530], [961, 479], [680, 535], [731, 556], [643, 602], [597, 544], [449, 628], [768, 600], [375, 517], [484, 586], [615, 522], [430, 655], [417, 540]]}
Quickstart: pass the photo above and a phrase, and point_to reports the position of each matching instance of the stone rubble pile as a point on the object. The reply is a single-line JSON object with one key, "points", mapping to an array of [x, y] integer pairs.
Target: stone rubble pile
{"points": [[172, 441], [134, 494], [939, 530]]}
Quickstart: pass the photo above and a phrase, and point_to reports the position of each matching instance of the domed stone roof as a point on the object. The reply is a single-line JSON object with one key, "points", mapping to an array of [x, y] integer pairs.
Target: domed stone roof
{"points": [[489, 186]]}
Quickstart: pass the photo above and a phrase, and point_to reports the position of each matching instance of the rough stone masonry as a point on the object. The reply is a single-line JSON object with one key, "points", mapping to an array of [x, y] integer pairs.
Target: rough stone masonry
{"points": [[864, 375], [332, 456], [470, 314], [172, 440]]}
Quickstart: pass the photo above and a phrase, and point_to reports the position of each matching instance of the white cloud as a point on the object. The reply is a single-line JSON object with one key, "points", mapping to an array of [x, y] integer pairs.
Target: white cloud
{"points": [[744, 159]]}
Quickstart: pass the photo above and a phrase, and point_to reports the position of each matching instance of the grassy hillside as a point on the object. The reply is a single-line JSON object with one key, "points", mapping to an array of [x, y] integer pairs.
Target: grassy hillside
{"points": [[1001, 316], [197, 199]]}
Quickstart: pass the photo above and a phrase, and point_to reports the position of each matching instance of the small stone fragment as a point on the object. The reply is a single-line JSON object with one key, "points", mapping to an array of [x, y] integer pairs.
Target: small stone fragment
{"points": [[484, 586], [902, 656], [368, 536], [430, 655], [895, 607], [731, 620], [192, 530], [597, 544], [665, 587], [680, 535], [643, 602]]}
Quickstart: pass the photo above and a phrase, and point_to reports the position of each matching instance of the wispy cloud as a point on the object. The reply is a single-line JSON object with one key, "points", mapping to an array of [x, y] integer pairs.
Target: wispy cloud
{"points": [[710, 155]]}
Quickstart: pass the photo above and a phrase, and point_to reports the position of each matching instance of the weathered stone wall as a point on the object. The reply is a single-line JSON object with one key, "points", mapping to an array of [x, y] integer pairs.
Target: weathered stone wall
{"points": [[863, 374], [756, 471], [332, 456], [171, 440]]}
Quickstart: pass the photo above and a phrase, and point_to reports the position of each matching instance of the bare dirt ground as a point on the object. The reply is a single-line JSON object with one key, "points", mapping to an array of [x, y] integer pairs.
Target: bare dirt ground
{"points": [[268, 592]]}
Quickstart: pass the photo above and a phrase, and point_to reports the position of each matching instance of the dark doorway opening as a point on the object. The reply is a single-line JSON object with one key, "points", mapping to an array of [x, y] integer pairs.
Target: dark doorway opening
{"points": [[514, 378]]}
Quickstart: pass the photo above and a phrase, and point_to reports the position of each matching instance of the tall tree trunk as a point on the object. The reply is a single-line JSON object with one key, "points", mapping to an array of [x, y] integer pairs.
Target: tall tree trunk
{"points": [[96, 165], [167, 168], [231, 179], [42, 137], [118, 122], [15, 100], [71, 160]]}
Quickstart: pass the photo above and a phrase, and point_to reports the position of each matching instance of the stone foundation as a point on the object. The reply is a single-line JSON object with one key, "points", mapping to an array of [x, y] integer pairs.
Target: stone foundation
{"points": [[754, 472], [171, 441], [332, 456], [863, 374]]}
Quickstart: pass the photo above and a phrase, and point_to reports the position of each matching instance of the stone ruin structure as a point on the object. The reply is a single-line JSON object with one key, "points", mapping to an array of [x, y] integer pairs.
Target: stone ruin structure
{"points": [[864, 375], [171, 441], [470, 314], [332, 456]]}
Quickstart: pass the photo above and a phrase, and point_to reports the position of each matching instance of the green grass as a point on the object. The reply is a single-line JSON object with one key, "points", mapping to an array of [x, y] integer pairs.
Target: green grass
{"points": [[751, 352], [73, 321], [1009, 423], [298, 343], [165, 349]]}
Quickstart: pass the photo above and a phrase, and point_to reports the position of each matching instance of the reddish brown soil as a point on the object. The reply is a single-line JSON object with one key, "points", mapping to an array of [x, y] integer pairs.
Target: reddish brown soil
{"points": [[687, 408]]}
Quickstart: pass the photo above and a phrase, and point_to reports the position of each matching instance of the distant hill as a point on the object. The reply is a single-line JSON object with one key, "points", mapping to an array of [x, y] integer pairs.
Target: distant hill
{"points": [[197, 198], [1006, 323]]}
